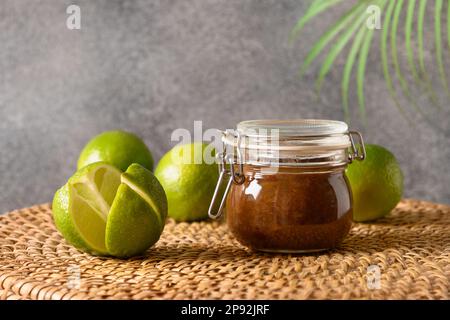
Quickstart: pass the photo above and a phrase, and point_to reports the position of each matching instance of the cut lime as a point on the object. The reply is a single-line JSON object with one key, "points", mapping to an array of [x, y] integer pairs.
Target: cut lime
{"points": [[138, 214], [92, 190], [102, 211], [63, 220]]}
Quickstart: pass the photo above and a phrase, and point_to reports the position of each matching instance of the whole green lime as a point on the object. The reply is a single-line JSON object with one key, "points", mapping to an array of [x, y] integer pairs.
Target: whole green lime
{"points": [[376, 183], [118, 148], [188, 180], [103, 211]]}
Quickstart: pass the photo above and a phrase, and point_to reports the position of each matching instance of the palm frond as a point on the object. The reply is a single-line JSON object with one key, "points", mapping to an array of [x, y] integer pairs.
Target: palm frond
{"points": [[420, 28], [349, 29], [401, 79], [348, 70], [394, 54], [438, 42], [408, 32], [329, 35], [448, 25], [336, 49], [313, 10], [410, 54], [361, 72], [384, 56]]}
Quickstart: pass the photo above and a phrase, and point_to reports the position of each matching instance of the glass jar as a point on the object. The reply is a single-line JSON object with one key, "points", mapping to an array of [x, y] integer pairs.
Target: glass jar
{"points": [[283, 186]]}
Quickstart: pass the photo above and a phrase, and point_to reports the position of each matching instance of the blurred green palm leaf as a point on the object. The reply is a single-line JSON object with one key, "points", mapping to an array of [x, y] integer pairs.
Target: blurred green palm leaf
{"points": [[353, 27]]}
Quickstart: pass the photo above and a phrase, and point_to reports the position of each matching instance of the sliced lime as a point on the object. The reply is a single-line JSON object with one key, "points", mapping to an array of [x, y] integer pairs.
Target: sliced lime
{"points": [[138, 213], [102, 211], [91, 193], [145, 184], [63, 220]]}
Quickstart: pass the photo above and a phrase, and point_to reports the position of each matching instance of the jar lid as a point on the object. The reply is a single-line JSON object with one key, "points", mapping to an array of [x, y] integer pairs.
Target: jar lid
{"points": [[297, 127], [298, 134]]}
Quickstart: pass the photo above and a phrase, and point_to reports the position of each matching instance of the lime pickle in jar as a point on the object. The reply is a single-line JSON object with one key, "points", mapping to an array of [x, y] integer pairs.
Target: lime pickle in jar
{"points": [[283, 186]]}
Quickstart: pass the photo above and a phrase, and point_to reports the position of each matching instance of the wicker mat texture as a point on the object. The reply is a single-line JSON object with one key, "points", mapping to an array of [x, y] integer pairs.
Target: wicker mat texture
{"points": [[411, 248]]}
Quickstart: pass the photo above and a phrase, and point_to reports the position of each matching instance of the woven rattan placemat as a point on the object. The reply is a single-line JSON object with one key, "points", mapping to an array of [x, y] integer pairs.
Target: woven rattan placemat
{"points": [[411, 248]]}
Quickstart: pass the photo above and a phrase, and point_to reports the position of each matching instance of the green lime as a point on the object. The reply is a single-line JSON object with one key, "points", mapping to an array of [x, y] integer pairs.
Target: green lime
{"points": [[104, 211], [376, 183], [63, 220], [138, 213], [118, 148], [188, 180], [81, 206]]}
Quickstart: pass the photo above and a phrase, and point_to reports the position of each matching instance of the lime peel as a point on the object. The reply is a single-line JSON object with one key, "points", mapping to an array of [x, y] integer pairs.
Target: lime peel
{"points": [[89, 239], [104, 211], [144, 196]]}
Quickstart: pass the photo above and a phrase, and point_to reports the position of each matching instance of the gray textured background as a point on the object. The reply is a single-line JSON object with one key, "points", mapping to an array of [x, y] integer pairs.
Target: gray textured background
{"points": [[153, 66]]}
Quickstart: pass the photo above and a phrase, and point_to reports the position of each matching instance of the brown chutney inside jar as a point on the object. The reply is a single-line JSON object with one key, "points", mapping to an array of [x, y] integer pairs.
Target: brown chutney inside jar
{"points": [[291, 210], [286, 189]]}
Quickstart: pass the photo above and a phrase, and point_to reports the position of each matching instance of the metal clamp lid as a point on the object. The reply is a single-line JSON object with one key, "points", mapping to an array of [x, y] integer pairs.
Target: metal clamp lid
{"points": [[357, 153], [234, 176]]}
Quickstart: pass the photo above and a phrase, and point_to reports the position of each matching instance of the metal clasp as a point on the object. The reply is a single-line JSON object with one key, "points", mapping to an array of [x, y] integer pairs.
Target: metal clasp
{"points": [[238, 177], [357, 153], [234, 176]]}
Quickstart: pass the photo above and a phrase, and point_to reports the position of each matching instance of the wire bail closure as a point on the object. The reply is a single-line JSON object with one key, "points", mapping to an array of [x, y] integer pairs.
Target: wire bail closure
{"points": [[233, 175], [357, 153]]}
